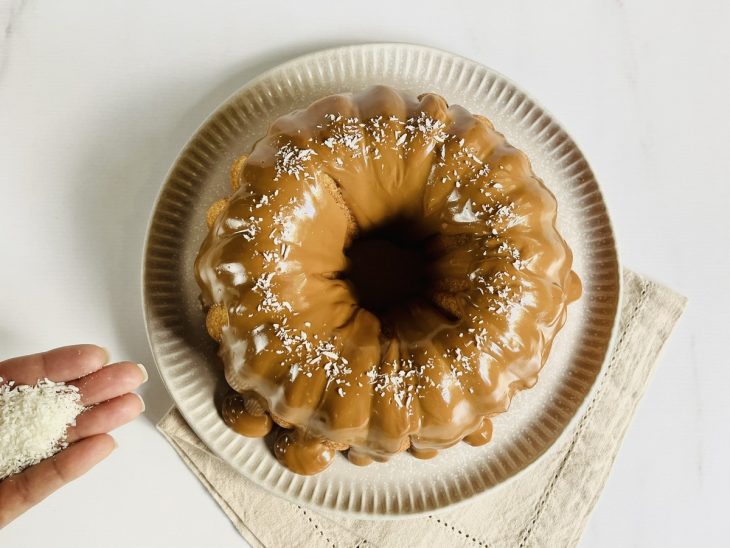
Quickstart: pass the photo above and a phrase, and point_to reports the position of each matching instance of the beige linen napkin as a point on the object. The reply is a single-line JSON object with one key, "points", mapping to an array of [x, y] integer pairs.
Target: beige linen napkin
{"points": [[548, 505]]}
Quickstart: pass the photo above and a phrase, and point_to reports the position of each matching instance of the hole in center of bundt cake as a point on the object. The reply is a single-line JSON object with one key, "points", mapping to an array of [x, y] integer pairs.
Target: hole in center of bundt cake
{"points": [[388, 266]]}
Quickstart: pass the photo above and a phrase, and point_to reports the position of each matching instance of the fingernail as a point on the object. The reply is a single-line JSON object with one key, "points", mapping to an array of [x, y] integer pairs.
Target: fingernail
{"points": [[145, 376], [116, 445], [141, 400], [107, 355]]}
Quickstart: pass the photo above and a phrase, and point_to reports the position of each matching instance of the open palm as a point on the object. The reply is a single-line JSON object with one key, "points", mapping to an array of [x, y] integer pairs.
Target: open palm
{"points": [[105, 387]]}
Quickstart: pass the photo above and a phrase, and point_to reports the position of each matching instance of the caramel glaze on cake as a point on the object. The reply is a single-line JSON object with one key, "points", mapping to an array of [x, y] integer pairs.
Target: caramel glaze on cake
{"points": [[422, 375]]}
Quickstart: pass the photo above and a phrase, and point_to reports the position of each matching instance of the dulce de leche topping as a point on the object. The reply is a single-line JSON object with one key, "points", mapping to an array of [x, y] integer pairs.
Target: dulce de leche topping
{"points": [[386, 275], [481, 435], [238, 415], [302, 454]]}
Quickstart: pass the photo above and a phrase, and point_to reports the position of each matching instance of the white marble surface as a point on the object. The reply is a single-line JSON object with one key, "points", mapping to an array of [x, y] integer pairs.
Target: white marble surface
{"points": [[96, 99]]}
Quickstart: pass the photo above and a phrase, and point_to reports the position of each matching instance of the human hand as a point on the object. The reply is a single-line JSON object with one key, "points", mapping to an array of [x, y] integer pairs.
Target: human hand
{"points": [[106, 388]]}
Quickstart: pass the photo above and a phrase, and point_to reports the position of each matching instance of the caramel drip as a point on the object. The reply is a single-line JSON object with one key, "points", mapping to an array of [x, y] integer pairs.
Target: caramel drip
{"points": [[358, 458], [426, 373], [481, 435], [236, 416], [302, 454], [423, 454]]}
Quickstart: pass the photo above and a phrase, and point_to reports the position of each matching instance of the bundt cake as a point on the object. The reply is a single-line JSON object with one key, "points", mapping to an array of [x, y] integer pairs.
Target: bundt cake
{"points": [[385, 276]]}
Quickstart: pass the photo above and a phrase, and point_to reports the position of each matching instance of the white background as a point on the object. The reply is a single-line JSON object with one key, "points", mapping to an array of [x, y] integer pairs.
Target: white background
{"points": [[97, 98]]}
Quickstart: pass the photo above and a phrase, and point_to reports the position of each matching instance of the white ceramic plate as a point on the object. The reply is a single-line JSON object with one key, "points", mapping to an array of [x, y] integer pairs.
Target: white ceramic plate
{"points": [[186, 357]]}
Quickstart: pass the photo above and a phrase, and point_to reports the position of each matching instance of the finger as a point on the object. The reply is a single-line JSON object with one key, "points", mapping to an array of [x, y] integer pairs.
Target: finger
{"points": [[62, 364], [106, 417], [20, 492], [110, 382]]}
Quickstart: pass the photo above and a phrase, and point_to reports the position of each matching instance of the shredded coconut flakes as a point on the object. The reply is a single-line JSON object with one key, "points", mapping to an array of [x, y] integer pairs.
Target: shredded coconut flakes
{"points": [[34, 421], [348, 138]]}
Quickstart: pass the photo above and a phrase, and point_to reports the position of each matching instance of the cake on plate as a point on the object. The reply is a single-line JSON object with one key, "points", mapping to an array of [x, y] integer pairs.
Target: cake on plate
{"points": [[384, 277]]}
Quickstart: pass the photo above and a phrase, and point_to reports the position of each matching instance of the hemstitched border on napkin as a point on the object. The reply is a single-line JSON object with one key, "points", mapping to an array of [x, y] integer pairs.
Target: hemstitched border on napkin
{"points": [[455, 530], [617, 350]]}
